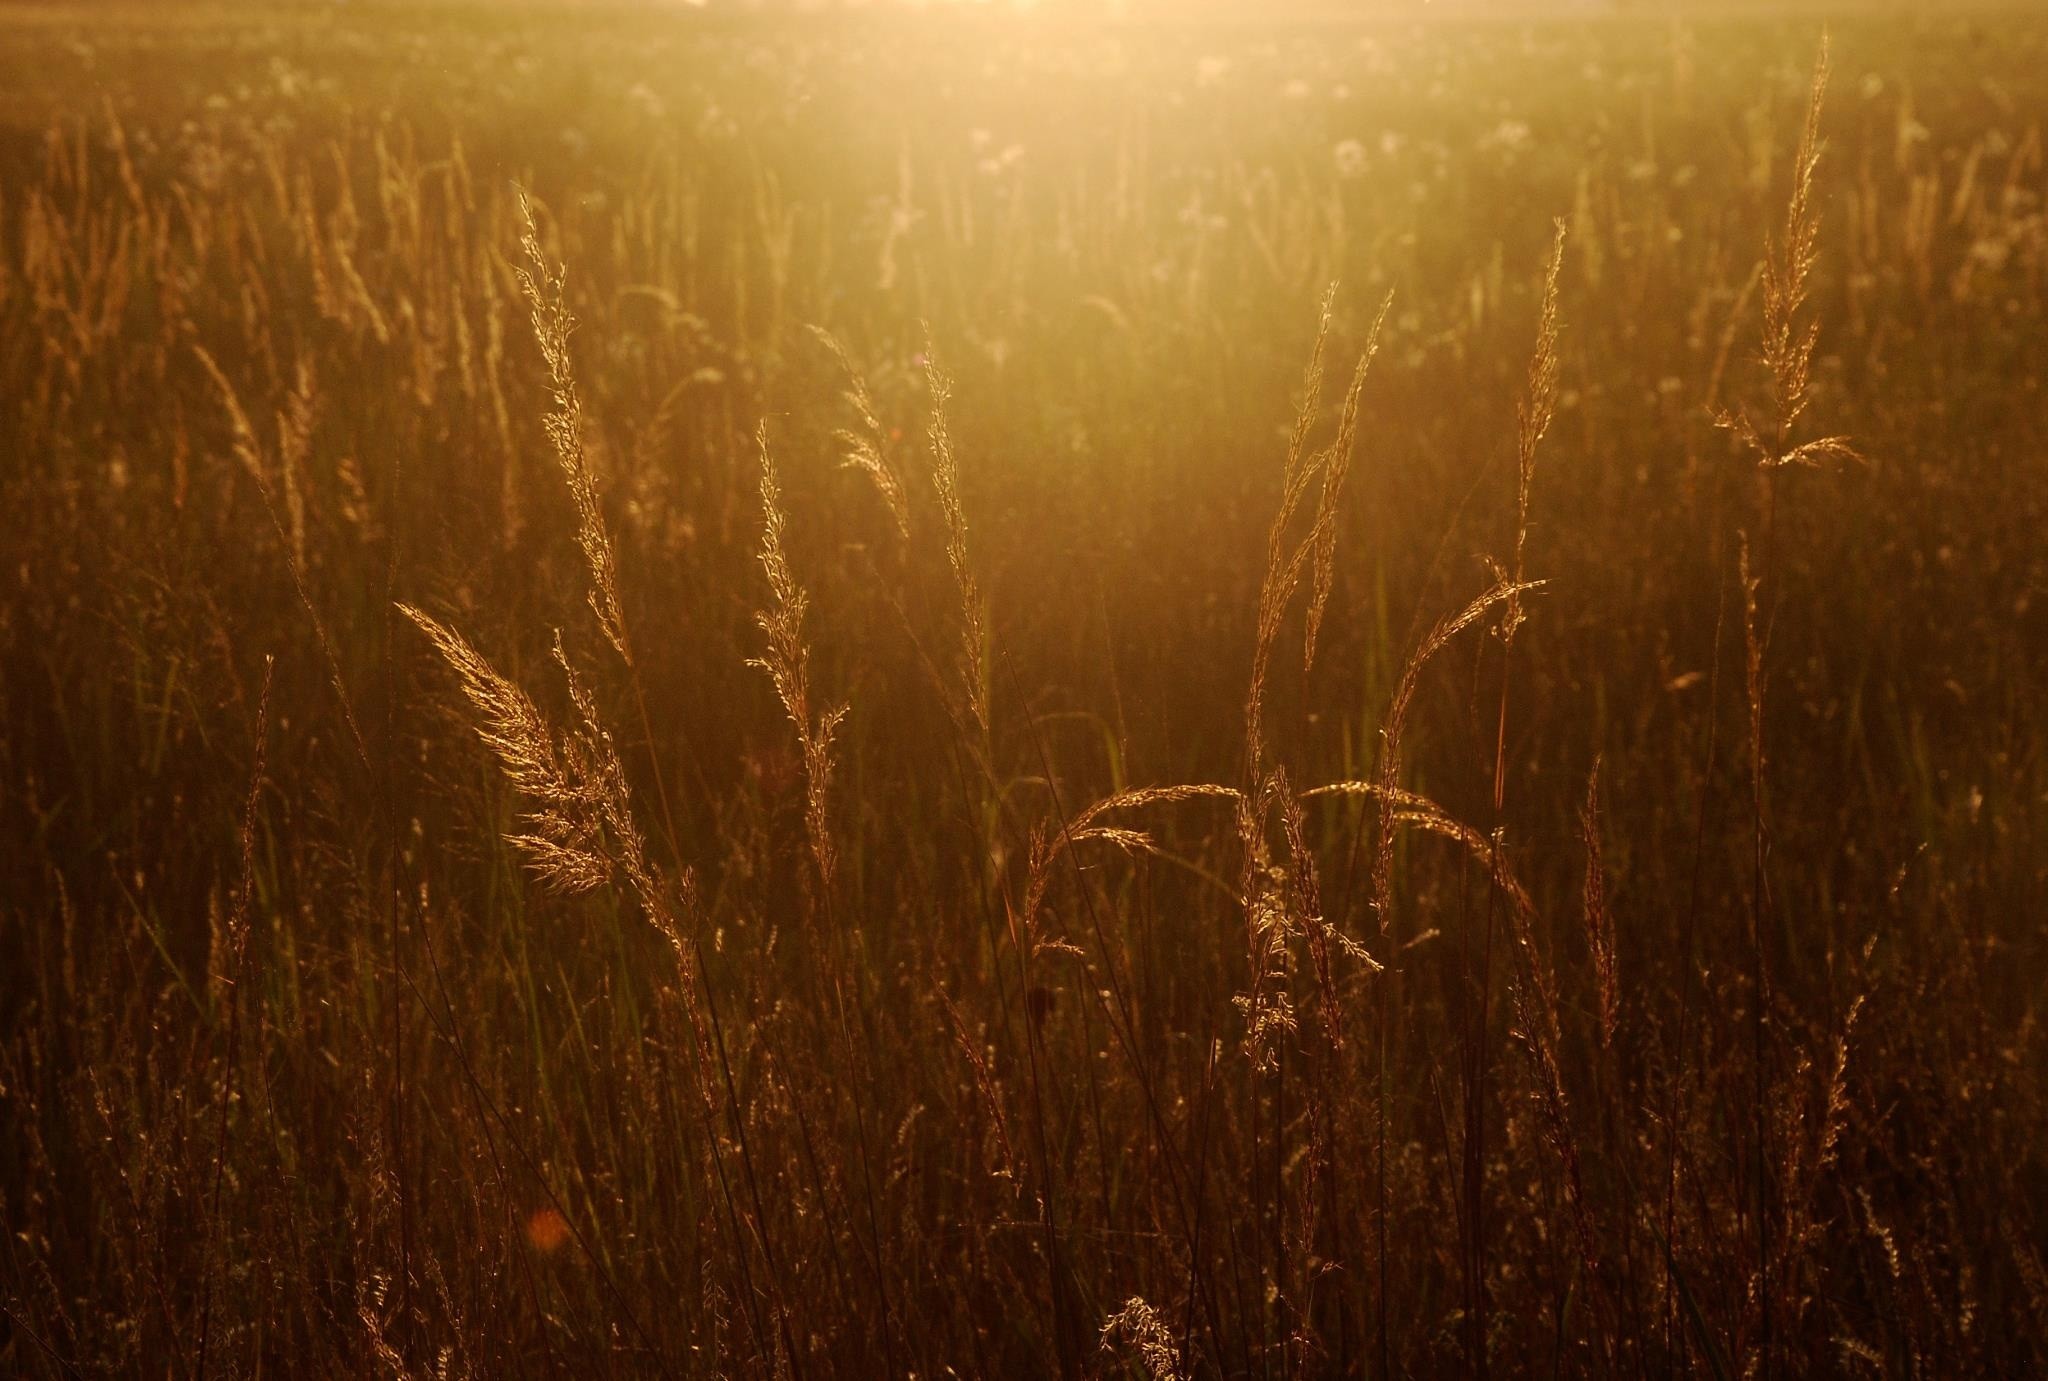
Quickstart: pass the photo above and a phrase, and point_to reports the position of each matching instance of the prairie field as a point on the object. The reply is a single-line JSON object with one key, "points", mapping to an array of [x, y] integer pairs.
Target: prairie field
{"points": [[1208, 693]]}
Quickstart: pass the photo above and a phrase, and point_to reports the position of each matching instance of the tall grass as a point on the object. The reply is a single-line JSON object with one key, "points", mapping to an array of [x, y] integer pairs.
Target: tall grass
{"points": [[846, 872]]}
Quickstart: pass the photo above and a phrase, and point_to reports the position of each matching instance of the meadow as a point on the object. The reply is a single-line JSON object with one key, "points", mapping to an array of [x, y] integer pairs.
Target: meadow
{"points": [[959, 695]]}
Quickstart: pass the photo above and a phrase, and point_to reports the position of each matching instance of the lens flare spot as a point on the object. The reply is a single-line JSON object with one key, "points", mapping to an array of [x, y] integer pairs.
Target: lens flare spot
{"points": [[547, 1230]]}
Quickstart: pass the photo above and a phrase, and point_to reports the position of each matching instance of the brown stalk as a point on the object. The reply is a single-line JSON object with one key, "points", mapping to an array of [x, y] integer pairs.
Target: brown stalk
{"points": [[788, 665], [231, 981], [1790, 335]]}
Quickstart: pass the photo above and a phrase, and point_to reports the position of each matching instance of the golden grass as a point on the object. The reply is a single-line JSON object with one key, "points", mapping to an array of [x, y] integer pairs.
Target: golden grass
{"points": [[950, 932]]}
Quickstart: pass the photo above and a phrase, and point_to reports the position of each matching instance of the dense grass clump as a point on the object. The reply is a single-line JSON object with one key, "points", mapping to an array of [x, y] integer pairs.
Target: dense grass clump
{"points": [[688, 696]]}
